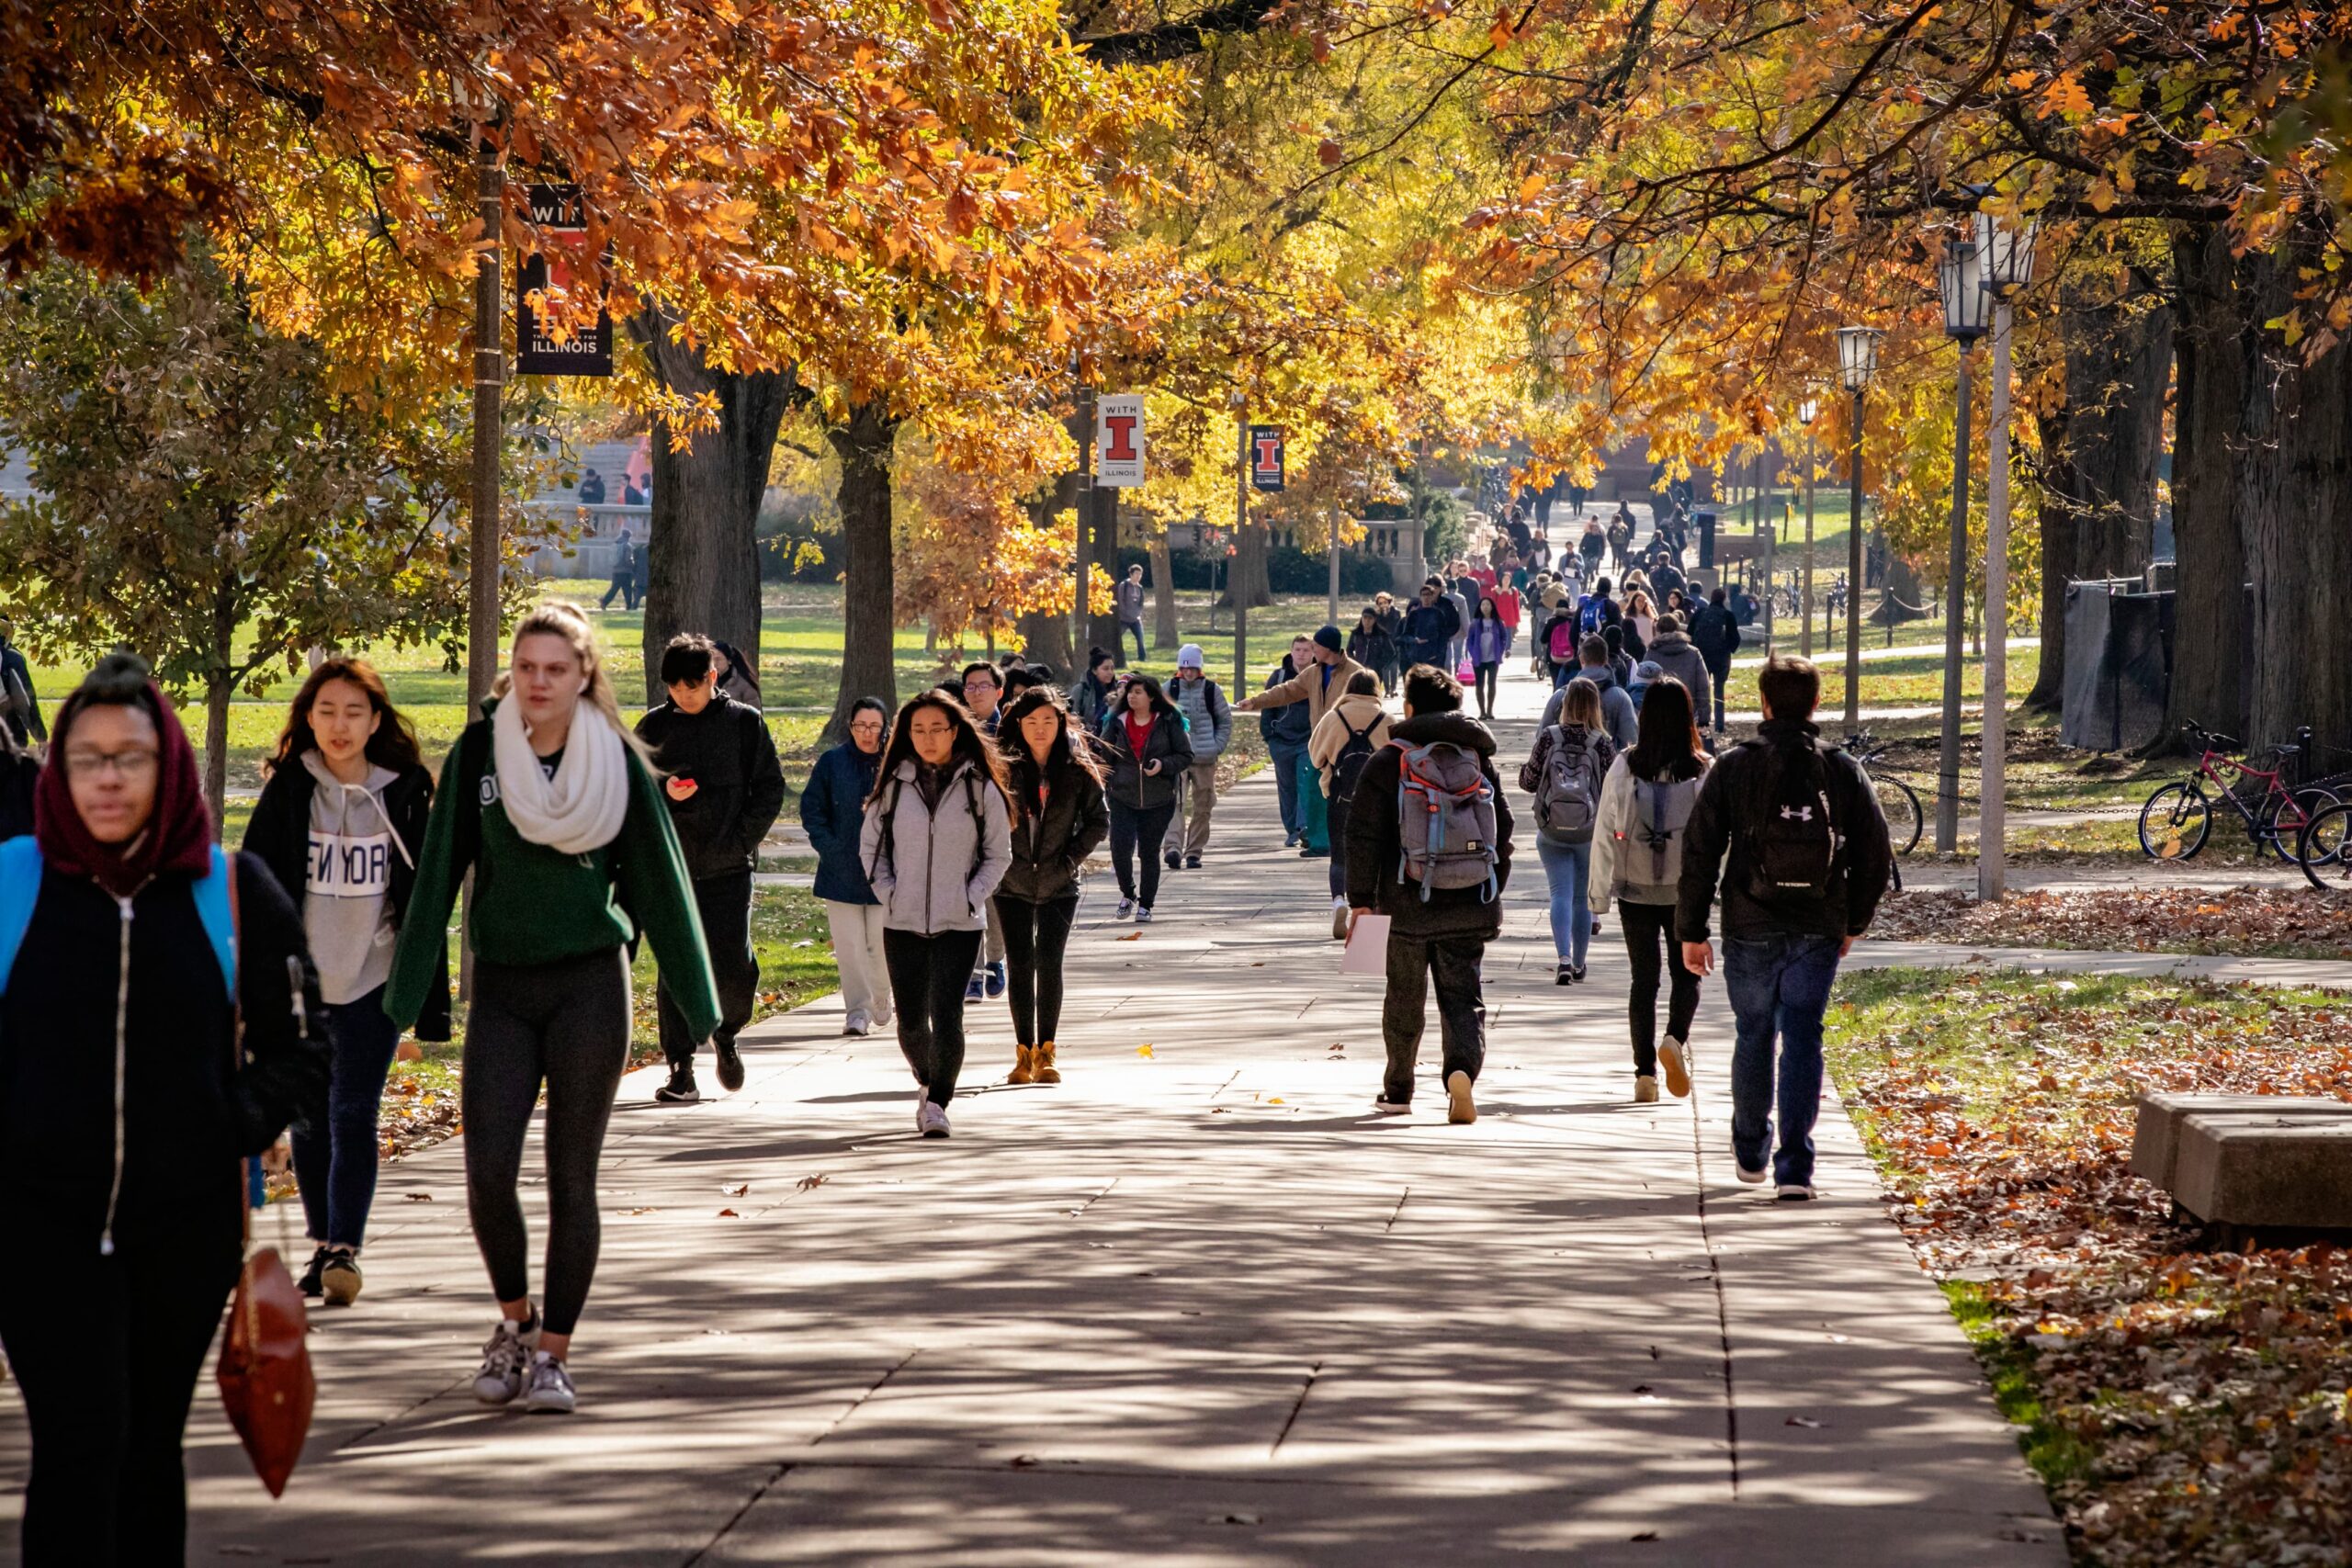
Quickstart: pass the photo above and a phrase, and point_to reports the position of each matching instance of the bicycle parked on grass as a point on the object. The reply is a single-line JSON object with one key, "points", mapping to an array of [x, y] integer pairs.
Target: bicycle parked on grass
{"points": [[2179, 817], [1896, 800]]}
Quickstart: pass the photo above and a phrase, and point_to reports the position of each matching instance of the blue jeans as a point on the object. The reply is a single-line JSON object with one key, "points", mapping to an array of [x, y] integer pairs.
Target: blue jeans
{"points": [[336, 1164], [1567, 868], [1288, 755], [1119, 643], [1778, 985]]}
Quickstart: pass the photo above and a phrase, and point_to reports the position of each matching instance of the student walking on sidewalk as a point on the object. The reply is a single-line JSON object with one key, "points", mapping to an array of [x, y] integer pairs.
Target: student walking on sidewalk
{"points": [[1208, 722], [935, 847], [982, 692], [1287, 730], [1060, 816], [547, 800], [1318, 687], [1646, 806], [1489, 644], [341, 825], [1344, 741], [725, 787], [1429, 845], [1564, 773], [1795, 832], [159, 1018], [1144, 739], [833, 811]]}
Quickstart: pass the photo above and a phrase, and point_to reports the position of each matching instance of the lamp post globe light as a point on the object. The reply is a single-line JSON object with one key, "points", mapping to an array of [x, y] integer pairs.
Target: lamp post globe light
{"points": [[1857, 363], [2007, 260], [1967, 308]]}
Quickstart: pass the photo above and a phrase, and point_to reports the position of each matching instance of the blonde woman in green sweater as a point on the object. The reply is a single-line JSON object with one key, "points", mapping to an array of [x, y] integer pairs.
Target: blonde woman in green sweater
{"points": [[549, 802]]}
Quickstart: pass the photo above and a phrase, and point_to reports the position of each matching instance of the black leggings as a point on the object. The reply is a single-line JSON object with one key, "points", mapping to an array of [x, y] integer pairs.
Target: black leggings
{"points": [[1485, 675], [1130, 827], [1034, 938], [928, 974], [1646, 927], [566, 1025]]}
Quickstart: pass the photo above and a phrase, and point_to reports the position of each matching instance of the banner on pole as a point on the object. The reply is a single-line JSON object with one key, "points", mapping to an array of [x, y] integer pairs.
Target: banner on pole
{"points": [[1118, 440], [1266, 456], [558, 212]]}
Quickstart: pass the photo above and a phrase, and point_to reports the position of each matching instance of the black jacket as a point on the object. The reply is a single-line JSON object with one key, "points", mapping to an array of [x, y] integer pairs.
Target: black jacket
{"points": [[1374, 649], [279, 832], [1716, 633], [189, 1108], [1130, 785], [1716, 840], [728, 752], [1376, 840], [1427, 632], [1048, 848]]}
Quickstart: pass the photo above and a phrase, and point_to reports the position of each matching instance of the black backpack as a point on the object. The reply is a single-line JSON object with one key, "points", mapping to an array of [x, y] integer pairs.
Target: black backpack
{"points": [[1348, 766], [1797, 855]]}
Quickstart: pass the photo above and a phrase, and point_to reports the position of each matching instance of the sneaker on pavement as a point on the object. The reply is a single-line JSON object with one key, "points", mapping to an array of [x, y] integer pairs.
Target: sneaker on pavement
{"points": [[1753, 1178], [1576, 973], [1143, 914], [549, 1391], [1385, 1106], [930, 1119], [973, 990], [1645, 1090], [1793, 1192], [308, 1284], [504, 1360], [730, 1065], [995, 985], [339, 1280], [856, 1026], [1565, 974], [1339, 919], [680, 1089], [1191, 862], [1676, 1059], [1459, 1107], [1127, 907], [1174, 860]]}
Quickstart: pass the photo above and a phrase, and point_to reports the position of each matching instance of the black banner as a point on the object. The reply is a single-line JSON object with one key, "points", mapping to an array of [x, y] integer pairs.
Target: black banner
{"points": [[557, 211], [1266, 456]]}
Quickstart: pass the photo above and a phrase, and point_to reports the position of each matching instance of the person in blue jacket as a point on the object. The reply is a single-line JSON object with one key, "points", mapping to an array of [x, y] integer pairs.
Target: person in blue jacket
{"points": [[832, 809]]}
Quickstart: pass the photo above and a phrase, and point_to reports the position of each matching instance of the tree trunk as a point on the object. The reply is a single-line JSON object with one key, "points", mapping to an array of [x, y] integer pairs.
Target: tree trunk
{"points": [[869, 609], [2210, 346], [701, 550], [1248, 567], [2057, 520], [218, 689], [1905, 599], [2119, 358], [1165, 632], [1098, 514]]}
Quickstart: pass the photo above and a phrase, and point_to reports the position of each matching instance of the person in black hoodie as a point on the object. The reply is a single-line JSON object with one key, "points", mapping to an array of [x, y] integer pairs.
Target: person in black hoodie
{"points": [[340, 823], [1058, 817], [1441, 937], [1714, 632], [127, 1100], [725, 790], [1143, 740]]}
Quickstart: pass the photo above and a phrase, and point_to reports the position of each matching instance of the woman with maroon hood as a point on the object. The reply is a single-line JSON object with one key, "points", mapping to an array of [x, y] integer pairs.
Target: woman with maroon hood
{"points": [[125, 1106]]}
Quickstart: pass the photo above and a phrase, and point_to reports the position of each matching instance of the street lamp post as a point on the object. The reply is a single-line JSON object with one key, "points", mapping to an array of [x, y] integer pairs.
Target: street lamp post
{"points": [[1807, 411], [1960, 279], [1857, 363], [2008, 267]]}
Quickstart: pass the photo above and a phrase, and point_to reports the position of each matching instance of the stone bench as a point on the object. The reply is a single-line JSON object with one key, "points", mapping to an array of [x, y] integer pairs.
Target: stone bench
{"points": [[2249, 1162]]}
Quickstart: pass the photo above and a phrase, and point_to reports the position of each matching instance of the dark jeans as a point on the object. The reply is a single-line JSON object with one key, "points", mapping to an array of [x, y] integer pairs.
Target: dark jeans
{"points": [[1778, 985], [625, 586], [565, 1025], [1290, 756], [1413, 962], [724, 903], [1649, 927], [1131, 830], [1338, 816], [336, 1164], [928, 974], [1485, 678], [106, 1352], [1720, 675], [1036, 935], [1120, 642]]}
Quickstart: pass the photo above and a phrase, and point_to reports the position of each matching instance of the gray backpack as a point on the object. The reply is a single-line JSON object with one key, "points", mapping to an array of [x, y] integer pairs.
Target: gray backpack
{"points": [[1568, 797], [1445, 820], [1649, 860]]}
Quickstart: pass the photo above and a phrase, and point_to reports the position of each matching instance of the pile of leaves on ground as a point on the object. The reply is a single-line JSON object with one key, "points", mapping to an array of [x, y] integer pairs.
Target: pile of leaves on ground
{"points": [[2271, 922], [2184, 1406]]}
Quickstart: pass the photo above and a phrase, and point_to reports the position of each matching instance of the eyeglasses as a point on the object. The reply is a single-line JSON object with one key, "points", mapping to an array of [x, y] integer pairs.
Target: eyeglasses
{"points": [[133, 764]]}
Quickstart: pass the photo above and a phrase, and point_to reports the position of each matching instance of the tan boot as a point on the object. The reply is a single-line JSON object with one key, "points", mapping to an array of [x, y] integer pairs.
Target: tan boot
{"points": [[1044, 1063], [1023, 1072]]}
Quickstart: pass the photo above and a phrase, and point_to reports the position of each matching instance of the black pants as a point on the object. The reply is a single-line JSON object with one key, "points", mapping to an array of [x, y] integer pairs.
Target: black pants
{"points": [[1486, 674], [108, 1351], [1648, 927], [725, 904], [1036, 935], [1130, 828], [1720, 674], [1453, 962], [928, 974], [565, 1025]]}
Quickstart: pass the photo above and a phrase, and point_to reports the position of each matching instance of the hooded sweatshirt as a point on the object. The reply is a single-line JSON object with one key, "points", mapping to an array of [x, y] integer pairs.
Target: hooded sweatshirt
{"points": [[348, 902], [1617, 713]]}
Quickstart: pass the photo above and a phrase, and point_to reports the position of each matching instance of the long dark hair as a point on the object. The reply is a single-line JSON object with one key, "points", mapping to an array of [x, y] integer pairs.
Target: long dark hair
{"points": [[1160, 707], [1668, 744], [393, 745], [1021, 768], [970, 745]]}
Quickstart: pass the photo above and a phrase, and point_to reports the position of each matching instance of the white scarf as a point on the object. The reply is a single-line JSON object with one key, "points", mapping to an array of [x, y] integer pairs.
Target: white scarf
{"points": [[580, 809]]}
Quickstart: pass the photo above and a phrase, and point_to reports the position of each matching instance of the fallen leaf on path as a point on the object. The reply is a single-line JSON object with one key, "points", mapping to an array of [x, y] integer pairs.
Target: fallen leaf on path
{"points": [[728, 1214], [1646, 1535], [1131, 936], [408, 1051], [806, 1182], [420, 1197], [1143, 1050], [1805, 1421], [737, 1191]]}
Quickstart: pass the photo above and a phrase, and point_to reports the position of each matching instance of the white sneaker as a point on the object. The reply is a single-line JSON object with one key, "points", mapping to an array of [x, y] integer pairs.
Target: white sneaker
{"points": [[1385, 1106], [1127, 907], [1143, 914], [550, 1391], [1674, 1057], [1753, 1178], [1793, 1192], [503, 1361], [857, 1025], [1339, 919], [930, 1119], [1459, 1107], [1645, 1090]]}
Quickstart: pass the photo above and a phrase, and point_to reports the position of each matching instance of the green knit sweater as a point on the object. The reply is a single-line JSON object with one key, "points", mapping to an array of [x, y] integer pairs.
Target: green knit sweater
{"points": [[534, 905]]}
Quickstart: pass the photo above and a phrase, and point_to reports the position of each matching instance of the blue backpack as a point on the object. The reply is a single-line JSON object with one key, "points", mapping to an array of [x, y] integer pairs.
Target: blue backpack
{"points": [[20, 869]]}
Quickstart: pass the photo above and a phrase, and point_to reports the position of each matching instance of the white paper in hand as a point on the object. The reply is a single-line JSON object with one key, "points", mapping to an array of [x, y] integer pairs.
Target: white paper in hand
{"points": [[1367, 950]]}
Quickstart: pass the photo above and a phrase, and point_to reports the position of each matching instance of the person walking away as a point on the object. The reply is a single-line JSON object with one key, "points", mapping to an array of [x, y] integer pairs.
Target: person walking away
{"points": [[1617, 717], [1091, 697], [159, 1020], [724, 788], [1646, 802], [1371, 645], [1489, 644], [1209, 720], [1148, 752], [624, 574], [936, 845], [982, 693], [1459, 602], [1318, 687], [1128, 599], [1564, 773], [1060, 815], [1714, 632], [1672, 652], [1428, 628], [1286, 730], [1345, 737], [1429, 845], [341, 821], [832, 812], [1621, 540], [548, 801], [1793, 830], [17, 701], [1620, 663]]}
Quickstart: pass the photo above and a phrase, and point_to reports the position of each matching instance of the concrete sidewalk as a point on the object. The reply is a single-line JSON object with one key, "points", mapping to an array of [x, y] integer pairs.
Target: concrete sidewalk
{"points": [[1195, 1305]]}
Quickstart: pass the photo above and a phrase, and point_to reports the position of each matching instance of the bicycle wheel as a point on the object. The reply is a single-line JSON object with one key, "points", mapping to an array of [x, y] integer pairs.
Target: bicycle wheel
{"points": [[2284, 818], [2173, 823], [2321, 850], [1902, 808]]}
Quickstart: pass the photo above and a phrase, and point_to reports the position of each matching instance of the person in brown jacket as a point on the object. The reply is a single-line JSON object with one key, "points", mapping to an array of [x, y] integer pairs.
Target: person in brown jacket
{"points": [[1320, 686], [1354, 727]]}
